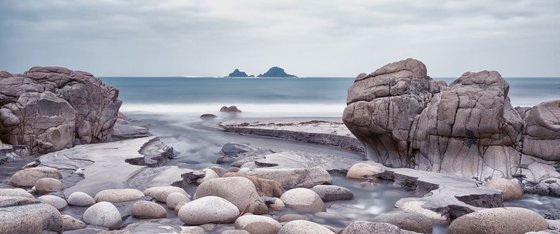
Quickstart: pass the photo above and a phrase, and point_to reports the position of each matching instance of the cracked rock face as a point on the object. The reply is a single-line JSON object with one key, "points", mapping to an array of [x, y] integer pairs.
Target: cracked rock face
{"points": [[51, 108], [468, 128]]}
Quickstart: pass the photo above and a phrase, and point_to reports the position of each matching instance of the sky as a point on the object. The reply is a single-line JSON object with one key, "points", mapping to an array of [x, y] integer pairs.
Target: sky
{"points": [[518, 38]]}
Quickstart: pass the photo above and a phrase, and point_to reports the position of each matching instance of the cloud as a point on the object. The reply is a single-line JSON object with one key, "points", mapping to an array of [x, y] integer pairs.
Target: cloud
{"points": [[325, 38]]}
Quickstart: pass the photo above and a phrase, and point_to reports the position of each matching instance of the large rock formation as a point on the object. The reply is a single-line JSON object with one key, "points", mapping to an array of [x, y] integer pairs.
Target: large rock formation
{"points": [[469, 128], [52, 108]]}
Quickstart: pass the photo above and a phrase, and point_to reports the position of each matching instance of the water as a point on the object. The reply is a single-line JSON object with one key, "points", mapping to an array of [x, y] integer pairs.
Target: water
{"points": [[275, 96]]}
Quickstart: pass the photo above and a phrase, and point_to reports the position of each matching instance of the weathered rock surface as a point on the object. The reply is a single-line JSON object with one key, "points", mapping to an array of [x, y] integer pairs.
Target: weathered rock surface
{"points": [[511, 190], [32, 218], [160, 193], [362, 171], [296, 227], [6, 201], [209, 209], [29, 176], [265, 187], [15, 192], [80, 199], [173, 199], [119, 195], [294, 177], [48, 185], [332, 192], [148, 210], [499, 220], [238, 190], [258, 224], [407, 221], [103, 214], [124, 129], [47, 108], [303, 200], [231, 109], [363, 227], [468, 128], [55, 201], [70, 223]]}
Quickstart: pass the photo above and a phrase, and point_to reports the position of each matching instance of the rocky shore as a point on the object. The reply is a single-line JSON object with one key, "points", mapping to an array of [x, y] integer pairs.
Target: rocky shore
{"points": [[128, 181]]}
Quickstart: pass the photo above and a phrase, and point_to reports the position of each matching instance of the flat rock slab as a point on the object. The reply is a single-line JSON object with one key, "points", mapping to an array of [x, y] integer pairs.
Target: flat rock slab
{"points": [[104, 164], [292, 159]]}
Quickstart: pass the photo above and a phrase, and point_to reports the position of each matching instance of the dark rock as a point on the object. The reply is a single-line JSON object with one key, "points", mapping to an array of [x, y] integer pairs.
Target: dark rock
{"points": [[125, 129], [229, 109], [276, 72], [208, 116], [237, 73], [155, 154], [332, 192], [48, 108]]}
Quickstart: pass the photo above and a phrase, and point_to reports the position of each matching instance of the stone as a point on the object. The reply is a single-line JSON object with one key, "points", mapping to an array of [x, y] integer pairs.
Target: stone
{"points": [[231, 109], [291, 217], [55, 201], [362, 171], [32, 218], [238, 73], [208, 116], [148, 210], [7, 201], [235, 232], [275, 72], [103, 214], [407, 221], [124, 129], [15, 192], [499, 220], [238, 190], [48, 103], [29, 176], [178, 207], [468, 129], [258, 224], [80, 199], [208, 209], [274, 203], [294, 177], [175, 198], [303, 200], [296, 227], [208, 174], [160, 193], [119, 195], [364, 227], [265, 187], [48, 185], [511, 190], [70, 223], [332, 193]]}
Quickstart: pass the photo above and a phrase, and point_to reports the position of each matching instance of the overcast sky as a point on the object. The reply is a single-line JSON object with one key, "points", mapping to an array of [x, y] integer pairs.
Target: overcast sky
{"points": [[307, 38]]}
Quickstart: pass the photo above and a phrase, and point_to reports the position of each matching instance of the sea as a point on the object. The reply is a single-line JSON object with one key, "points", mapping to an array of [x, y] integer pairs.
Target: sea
{"points": [[275, 97]]}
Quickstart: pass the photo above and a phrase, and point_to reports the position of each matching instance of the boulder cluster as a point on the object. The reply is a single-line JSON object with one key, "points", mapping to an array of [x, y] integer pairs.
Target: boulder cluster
{"points": [[51, 108], [468, 128]]}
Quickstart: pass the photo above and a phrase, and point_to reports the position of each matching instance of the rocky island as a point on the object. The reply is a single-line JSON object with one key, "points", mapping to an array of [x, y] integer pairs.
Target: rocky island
{"points": [[454, 155], [276, 72], [237, 73]]}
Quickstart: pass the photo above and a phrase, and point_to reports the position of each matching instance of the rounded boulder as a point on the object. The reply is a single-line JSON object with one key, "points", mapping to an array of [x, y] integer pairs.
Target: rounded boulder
{"points": [[238, 190], [511, 190], [175, 198], [80, 199], [119, 195], [303, 200], [361, 171], [209, 209], [29, 176], [103, 214], [258, 224], [58, 202], [160, 193], [296, 227], [509, 220], [48, 185], [148, 210]]}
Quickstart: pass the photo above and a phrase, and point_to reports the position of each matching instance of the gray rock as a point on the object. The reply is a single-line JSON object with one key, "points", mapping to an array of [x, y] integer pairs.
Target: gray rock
{"points": [[231, 152], [70, 223], [160, 193], [55, 201], [48, 185], [148, 210], [175, 198], [32, 218], [80, 199], [303, 200], [363, 227], [332, 192], [292, 217], [6, 201], [124, 129], [49, 103], [103, 214], [265, 187], [499, 220], [258, 224], [542, 128], [119, 195], [363, 171], [238, 190], [407, 221], [15, 192], [29, 176], [296, 227], [231, 109], [294, 177], [209, 209]]}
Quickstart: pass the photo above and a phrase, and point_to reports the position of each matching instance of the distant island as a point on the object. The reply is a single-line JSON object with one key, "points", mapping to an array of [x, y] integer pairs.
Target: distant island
{"points": [[238, 73], [276, 72]]}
